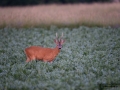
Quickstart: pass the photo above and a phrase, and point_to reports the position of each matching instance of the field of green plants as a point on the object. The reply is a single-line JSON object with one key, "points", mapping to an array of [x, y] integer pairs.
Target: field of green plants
{"points": [[90, 58]]}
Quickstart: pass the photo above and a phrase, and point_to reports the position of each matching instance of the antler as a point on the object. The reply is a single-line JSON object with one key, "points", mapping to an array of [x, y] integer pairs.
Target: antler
{"points": [[61, 36], [56, 35]]}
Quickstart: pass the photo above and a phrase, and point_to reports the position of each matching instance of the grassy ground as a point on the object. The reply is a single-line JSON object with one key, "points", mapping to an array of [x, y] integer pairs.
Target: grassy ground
{"points": [[107, 14], [88, 60]]}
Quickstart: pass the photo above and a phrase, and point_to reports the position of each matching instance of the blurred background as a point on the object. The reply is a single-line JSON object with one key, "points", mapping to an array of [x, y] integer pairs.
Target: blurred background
{"points": [[70, 13], [35, 2]]}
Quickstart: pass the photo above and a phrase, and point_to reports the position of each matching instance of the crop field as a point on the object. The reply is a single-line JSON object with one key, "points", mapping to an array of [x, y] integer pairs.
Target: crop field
{"points": [[71, 15], [89, 59]]}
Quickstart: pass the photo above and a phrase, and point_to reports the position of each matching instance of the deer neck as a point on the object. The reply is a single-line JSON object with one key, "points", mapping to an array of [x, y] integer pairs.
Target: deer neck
{"points": [[56, 50]]}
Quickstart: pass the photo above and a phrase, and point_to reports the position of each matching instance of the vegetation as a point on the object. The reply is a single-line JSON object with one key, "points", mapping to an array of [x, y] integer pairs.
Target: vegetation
{"points": [[34, 2], [61, 15], [89, 59]]}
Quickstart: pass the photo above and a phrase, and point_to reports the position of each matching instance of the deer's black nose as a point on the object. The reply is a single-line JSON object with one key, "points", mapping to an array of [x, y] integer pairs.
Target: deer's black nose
{"points": [[59, 48]]}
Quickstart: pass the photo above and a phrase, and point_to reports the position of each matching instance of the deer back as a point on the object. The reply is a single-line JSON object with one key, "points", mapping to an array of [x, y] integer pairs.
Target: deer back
{"points": [[41, 53]]}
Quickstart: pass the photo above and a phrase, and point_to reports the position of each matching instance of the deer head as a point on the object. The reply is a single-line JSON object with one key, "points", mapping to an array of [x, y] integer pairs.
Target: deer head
{"points": [[59, 41]]}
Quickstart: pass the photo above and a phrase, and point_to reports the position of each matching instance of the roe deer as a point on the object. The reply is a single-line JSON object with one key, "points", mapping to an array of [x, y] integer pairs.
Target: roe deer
{"points": [[42, 53]]}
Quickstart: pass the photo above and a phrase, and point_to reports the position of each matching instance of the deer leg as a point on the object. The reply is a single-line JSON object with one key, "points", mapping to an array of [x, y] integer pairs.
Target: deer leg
{"points": [[28, 59], [44, 60], [36, 61], [50, 61]]}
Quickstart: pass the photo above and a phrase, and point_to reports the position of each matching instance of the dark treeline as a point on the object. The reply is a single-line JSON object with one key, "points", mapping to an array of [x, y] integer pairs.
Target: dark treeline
{"points": [[35, 2]]}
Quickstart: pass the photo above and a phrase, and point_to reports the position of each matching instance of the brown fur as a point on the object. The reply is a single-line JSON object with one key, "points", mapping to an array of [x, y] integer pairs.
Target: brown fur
{"points": [[44, 54], [41, 53]]}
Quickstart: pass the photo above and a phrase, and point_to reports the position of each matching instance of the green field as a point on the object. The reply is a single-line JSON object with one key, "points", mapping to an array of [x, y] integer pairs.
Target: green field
{"points": [[90, 58]]}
